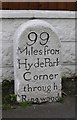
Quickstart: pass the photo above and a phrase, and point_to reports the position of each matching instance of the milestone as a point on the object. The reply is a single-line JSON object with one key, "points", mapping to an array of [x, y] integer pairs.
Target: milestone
{"points": [[44, 51]]}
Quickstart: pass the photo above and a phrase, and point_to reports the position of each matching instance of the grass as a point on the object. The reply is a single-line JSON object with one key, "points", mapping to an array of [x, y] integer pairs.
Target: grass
{"points": [[61, 99], [9, 98], [69, 86], [25, 104]]}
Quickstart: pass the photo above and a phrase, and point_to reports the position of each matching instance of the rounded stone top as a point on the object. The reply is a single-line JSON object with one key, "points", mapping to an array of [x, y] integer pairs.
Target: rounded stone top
{"points": [[36, 25]]}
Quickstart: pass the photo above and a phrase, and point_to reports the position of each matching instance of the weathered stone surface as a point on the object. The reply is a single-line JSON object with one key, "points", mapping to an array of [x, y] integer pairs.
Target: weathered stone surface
{"points": [[37, 14], [64, 27], [0, 53], [69, 71], [9, 27], [0, 75], [37, 62], [65, 33], [7, 54], [7, 73], [0, 29], [68, 53]]}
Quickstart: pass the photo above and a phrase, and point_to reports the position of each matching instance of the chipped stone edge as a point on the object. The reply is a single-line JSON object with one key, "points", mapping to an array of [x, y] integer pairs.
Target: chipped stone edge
{"points": [[36, 14]]}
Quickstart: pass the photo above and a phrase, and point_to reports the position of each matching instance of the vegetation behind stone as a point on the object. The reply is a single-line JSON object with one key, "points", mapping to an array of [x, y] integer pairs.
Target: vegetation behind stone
{"points": [[69, 86]]}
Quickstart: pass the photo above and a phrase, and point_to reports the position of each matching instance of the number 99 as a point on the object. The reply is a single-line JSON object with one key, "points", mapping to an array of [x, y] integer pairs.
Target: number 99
{"points": [[44, 36], [33, 40]]}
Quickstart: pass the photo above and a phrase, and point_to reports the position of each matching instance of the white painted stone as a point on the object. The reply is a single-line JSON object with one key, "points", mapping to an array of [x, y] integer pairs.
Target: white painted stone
{"points": [[68, 53], [0, 75], [7, 73], [37, 71], [36, 14], [7, 54], [9, 27], [69, 71], [16, 14], [0, 29], [0, 53], [66, 34], [54, 14]]}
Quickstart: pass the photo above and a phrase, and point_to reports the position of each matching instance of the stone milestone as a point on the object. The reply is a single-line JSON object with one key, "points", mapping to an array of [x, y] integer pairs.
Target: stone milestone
{"points": [[37, 62]]}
